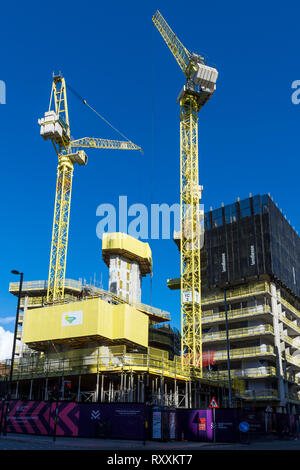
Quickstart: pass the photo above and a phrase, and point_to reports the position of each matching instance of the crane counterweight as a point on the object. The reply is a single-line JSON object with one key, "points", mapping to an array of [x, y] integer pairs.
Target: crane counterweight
{"points": [[52, 127]]}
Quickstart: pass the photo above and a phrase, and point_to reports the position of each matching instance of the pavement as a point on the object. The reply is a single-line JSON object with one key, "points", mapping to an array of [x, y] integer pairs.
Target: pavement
{"points": [[14, 441]]}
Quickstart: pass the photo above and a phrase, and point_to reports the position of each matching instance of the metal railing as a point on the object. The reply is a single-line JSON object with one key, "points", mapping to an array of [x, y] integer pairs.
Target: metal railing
{"points": [[236, 292], [290, 324], [43, 366], [290, 307], [92, 362], [28, 285], [238, 333], [260, 394], [292, 360], [245, 373], [294, 397], [79, 286], [264, 350], [210, 316], [288, 340]]}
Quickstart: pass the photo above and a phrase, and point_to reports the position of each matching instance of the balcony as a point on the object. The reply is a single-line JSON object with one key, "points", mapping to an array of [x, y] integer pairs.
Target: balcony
{"points": [[294, 397], [290, 324], [293, 360], [290, 307], [266, 394], [235, 293], [32, 302], [259, 351], [208, 316], [259, 330], [244, 373], [291, 341]]}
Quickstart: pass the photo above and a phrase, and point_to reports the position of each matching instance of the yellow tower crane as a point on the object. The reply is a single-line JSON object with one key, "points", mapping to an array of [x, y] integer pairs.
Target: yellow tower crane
{"points": [[200, 85], [55, 126]]}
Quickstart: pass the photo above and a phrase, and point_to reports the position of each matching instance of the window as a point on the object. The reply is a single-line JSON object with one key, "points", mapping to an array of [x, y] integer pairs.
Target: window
{"points": [[265, 203], [207, 221], [217, 218], [245, 208], [230, 214], [256, 205]]}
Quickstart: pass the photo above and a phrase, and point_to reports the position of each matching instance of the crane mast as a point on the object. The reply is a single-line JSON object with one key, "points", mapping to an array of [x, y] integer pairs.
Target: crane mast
{"points": [[199, 86], [55, 126], [61, 142]]}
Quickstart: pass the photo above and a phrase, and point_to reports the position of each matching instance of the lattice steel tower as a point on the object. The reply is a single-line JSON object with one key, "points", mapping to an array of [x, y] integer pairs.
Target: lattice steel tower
{"points": [[56, 127], [200, 85]]}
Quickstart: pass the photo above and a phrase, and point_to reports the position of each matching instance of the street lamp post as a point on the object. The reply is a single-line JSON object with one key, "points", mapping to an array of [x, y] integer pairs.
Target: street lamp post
{"points": [[16, 328], [228, 349], [12, 356]]}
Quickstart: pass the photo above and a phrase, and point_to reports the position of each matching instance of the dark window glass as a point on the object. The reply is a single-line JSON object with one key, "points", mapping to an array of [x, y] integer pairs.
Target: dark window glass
{"points": [[217, 218], [245, 208], [256, 204], [207, 222], [230, 214], [265, 203]]}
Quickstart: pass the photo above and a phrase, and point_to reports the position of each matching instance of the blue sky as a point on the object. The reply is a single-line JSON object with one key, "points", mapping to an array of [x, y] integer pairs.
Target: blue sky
{"points": [[113, 55]]}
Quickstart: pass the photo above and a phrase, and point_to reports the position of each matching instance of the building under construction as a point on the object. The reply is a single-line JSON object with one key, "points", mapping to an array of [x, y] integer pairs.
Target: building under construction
{"points": [[108, 344], [251, 296], [240, 298], [112, 347]]}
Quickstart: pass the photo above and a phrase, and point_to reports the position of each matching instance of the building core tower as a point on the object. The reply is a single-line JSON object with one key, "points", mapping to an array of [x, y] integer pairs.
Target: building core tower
{"points": [[128, 260]]}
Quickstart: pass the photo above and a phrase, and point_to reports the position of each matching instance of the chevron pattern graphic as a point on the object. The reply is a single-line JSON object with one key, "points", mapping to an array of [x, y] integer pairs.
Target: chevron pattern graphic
{"points": [[31, 417], [68, 421]]}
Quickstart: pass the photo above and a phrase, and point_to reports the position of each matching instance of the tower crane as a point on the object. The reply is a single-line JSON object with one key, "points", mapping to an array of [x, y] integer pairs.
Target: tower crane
{"points": [[55, 126], [199, 86]]}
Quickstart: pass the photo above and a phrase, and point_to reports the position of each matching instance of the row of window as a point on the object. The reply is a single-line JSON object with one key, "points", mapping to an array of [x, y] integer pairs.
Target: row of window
{"points": [[233, 212]]}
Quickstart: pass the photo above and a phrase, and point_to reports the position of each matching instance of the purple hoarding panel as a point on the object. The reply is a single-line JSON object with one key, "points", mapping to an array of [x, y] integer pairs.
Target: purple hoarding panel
{"points": [[126, 421], [255, 419], [194, 425], [226, 425], [123, 421]]}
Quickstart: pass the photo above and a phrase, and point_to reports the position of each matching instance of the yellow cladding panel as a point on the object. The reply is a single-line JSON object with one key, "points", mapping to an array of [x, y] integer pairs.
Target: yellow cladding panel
{"points": [[89, 318], [128, 324], [130, 247]]}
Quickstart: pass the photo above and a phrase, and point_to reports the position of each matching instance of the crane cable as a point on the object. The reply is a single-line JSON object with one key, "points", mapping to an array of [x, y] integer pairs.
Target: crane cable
{"points": [[98, 114]]}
